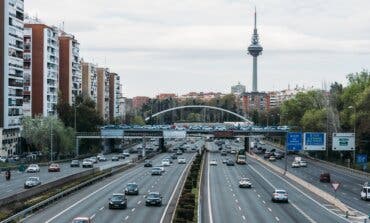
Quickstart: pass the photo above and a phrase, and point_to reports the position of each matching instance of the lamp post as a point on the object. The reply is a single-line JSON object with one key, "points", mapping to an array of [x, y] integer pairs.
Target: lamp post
{"points": [[354, 131]]}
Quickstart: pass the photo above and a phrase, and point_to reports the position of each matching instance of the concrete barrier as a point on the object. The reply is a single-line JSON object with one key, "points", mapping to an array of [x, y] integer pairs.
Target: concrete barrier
{"points": [[326, 196]]}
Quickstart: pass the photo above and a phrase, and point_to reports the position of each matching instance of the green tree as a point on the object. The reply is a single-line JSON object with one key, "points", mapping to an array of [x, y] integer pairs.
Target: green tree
{"points": [[314, 120], [138, 120]]}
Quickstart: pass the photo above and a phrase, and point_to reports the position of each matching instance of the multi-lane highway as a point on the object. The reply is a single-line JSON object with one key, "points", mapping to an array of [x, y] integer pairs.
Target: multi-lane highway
{"points": [[93, 201], [351, 183], [224, 201]]}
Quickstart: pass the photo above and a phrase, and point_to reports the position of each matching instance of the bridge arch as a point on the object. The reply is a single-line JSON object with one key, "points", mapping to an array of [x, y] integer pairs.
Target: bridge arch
{"points": [[199, 106]]}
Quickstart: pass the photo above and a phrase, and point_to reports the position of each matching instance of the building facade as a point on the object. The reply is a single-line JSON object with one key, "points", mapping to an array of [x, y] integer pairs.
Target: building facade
{"points": [[89, 80], [258, 101], [41, 70], [164, 96], [11, 77], [70, 77], [114, 96], [103, 92], [139, 101]]}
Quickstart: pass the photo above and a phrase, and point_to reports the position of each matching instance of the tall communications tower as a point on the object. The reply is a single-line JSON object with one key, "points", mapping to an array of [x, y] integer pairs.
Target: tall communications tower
{"points": [[255, 49]]}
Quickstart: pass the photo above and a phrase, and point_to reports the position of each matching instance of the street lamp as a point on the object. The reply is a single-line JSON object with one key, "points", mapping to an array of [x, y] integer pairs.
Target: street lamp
{"points": [[354, 131]]}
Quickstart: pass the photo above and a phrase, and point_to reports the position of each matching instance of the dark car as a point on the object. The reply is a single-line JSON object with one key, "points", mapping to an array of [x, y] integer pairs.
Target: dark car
{"points": [[54, 167], [75, 163], [132, 189], [267, 155], [279, 155], [230, 163], [325, 177], [118, 201], [148, 163], [153, 198], [174, 156]]}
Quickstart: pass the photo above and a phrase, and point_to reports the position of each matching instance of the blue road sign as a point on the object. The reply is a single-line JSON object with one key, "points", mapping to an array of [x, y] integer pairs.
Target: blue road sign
{"points": [[314, 141], [361, 158], [294, 141]]}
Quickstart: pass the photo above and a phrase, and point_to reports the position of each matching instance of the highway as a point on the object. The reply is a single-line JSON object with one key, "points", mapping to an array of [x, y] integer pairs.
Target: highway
{"points": [[224, 201], [351, 183], [16, 183], [93, 201]]}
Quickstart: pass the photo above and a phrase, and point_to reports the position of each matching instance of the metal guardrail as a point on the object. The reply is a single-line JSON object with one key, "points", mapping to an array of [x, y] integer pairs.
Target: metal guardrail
{"points": [[50, 200]]}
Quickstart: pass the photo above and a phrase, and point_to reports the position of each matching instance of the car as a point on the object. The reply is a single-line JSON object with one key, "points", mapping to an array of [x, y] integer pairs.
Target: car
{"points": [[325, 177], [245, 183], [213, 163], [132, 189], [174, 156], [3, 159], [94, 159], [153, 198], [179, 152], [365, 192], [115, 158], [33, 168], [148, 163], [126, 154], [118, 200], [181, 161], [230, 163], [102, 158], [168, 158], [82, 220], [279, 195], [54, 167], [166, 162], [87, 163], [32, 182], [156, 171], [272, 158], [295, 164], [224, 161], [75, 163], [233, 151], [279, 155], [303, 163], [267, 155], [223, 153], [121, 156]]}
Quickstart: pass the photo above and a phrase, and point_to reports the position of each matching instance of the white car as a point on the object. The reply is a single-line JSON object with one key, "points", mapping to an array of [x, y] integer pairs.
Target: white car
{"points": [[296, 164], [87, 163], [233, 151], [303, 163], [181, 161], [272, 158], [126, 154], [3, 159], [245, 183], [33, 168], [279, 195], [32, 182], [213, 163], [365, 193], [166, 162]]}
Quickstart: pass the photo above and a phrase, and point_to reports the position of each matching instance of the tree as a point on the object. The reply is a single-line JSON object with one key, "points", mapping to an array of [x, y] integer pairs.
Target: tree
{"points": [[138, 120], [314, 120]]}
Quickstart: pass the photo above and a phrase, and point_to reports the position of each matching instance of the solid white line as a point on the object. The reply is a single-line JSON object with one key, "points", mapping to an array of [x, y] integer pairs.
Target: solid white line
{"points": [[303, 213], [209, 197], [93, 216], [173, 193]]}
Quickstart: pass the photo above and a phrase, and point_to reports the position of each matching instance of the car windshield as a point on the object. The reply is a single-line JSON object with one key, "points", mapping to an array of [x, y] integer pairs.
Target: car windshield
{"points": [[153, 195], [280, 192], [80, 221], [33, 179], [131, 186], [117, 198]]}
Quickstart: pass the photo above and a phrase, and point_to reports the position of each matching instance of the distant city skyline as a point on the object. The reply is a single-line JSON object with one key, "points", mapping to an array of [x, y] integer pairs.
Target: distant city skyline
{"points": [[178, 48]]}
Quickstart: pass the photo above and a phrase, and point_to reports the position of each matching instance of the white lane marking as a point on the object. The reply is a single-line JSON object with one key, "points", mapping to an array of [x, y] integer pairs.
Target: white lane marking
{"points": [[264, 202], [101, 208], [173, 193], [258, 195], [296, 188], [277, 219], [91, 194], [209, 197], [93, 216], [239, 208], [269, 209], [243, 217], [236, 200], [138, 202], [233, 195], [133, 209], [303, 213], [127, 217]]}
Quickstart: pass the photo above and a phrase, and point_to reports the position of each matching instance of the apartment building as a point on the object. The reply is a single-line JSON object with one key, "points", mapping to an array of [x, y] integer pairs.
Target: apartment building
{"points": [[41, 70], [103, 92], [11, 78], [89, 80], [139, 101], [70, 77], [114, 96], [259, 101]]}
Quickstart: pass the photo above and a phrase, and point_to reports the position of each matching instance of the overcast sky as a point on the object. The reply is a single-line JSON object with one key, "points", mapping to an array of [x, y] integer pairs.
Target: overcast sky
{"points": [[172, 46]]}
